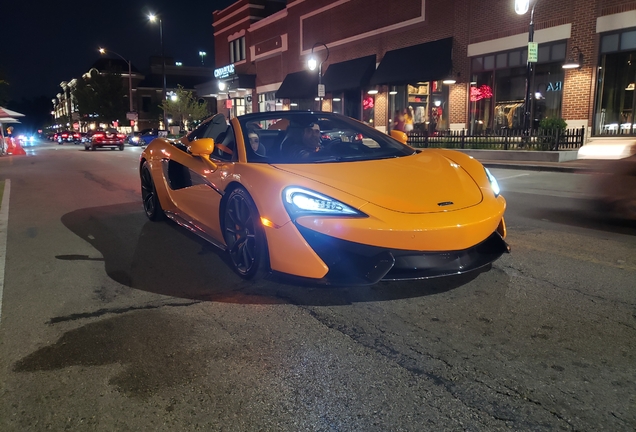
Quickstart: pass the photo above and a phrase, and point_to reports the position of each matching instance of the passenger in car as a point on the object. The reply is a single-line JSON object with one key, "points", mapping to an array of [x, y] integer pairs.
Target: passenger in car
{"points": [[256, 144]]}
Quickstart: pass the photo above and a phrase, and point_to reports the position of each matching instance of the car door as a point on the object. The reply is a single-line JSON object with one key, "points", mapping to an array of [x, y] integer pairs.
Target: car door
{"points": [[196, 185]]}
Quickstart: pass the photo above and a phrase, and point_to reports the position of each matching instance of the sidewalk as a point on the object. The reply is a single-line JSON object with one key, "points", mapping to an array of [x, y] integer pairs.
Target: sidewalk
{"points": [[573, 166]]}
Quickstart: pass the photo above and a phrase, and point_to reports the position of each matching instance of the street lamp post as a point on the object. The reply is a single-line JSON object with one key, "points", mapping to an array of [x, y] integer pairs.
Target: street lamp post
{"points": [[521, 7], [154, 18], [312, 63], [130, 100], [202, 54]]}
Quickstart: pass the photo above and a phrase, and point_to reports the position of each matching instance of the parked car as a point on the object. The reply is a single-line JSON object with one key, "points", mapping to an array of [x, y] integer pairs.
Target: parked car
{"points": [[349, 211], [147, 135], [105, 138]]}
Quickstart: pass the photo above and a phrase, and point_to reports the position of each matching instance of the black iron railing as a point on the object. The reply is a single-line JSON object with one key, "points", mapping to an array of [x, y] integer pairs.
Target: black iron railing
{"points": [[504, 139]]}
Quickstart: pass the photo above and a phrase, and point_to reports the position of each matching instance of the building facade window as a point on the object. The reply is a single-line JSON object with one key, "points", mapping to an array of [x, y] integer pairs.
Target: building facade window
{"points": [[145, 103], [498, 86], [237, 50], [615, 94]]}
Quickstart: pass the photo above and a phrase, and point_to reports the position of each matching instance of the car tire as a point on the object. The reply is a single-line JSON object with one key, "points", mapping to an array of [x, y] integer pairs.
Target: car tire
{"points": [[93, 147], [244, 236], [121, 147], [87, 148], [152, 206]]}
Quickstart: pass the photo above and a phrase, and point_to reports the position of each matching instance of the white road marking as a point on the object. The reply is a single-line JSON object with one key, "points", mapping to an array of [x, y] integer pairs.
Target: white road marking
{"points": [[509, 177], [4, 225]]}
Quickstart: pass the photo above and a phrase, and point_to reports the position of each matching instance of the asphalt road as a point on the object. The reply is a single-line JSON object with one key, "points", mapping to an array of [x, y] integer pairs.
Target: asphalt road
{"points": [[111, 322]]}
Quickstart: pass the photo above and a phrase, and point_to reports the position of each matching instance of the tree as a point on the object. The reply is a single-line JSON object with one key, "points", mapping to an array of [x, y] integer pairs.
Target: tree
{"points": [[101, 94], [185, 107]]}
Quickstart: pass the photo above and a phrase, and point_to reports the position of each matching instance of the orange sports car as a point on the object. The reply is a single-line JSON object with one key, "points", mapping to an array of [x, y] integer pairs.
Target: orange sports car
{"points": [[326, 198]]}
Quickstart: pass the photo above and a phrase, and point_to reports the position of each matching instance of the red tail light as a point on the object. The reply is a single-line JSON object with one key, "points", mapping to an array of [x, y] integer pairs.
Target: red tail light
{"points": [[121, 136], [76, 135], [359, 137], [98, 135], [64, 135]]}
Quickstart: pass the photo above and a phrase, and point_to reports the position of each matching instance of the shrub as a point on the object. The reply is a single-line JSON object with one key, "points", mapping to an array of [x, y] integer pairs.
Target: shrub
{"points": [[552, 123]]}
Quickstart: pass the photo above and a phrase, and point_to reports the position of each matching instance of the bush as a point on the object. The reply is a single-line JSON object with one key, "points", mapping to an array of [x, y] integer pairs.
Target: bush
{"points": [[552, 123]]}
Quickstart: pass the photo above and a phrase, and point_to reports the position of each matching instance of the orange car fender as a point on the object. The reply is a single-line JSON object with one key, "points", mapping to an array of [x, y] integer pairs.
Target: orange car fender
{"points": [[154, 155]]}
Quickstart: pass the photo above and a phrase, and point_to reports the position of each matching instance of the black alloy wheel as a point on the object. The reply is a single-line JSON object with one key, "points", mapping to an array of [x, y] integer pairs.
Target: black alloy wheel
{"points": [[152, 207], [244, 236]]}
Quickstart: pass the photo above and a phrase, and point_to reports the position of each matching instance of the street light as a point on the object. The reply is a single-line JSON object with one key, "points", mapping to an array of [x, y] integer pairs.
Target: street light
{"points": [[153, 18], [521, 7], [312, 63], [202, 54], [130, 101]]}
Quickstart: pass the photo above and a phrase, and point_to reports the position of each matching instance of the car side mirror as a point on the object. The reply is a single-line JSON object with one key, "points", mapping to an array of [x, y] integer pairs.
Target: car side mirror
{"points": [[202, 147], [399, 135]]}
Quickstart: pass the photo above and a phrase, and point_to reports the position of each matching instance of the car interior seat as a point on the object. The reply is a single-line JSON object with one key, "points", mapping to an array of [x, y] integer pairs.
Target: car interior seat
{"points": [[293, 136]]}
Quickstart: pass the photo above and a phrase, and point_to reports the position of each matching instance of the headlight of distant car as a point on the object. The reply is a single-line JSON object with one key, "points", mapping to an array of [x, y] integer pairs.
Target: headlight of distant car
{"points": [[493, 182], [135, 139], [302, 202]]}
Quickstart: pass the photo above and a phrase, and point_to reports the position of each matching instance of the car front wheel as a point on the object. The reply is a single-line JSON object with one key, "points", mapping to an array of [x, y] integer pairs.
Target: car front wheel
{"points": [[244, 236], [152, 207]]}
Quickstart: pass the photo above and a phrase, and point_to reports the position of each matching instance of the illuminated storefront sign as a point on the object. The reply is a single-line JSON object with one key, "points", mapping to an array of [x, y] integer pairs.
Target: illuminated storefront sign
{"points": [[224, 71]]}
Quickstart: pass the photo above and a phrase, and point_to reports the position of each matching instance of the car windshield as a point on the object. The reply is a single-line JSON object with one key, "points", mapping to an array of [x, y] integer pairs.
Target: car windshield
{"points": [[308, 137]]}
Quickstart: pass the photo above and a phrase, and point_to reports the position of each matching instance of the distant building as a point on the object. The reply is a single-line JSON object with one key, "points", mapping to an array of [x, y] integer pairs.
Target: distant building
{"points": [[147, 89]]}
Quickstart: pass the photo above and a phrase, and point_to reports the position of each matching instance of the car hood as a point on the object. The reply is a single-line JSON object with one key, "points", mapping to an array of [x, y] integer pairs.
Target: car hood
{"points": [[422, 183]]}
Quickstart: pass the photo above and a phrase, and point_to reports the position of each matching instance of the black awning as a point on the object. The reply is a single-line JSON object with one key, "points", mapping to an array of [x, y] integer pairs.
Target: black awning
{"points": [[299, 85], [350, 74], [429, 61]]}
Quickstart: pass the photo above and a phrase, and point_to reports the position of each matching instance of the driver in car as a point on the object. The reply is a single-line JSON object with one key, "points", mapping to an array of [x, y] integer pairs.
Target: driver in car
{"points": [[310, 143]]}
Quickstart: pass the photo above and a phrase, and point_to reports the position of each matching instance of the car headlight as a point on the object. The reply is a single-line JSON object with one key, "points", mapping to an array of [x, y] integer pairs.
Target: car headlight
{"points": [[302, 202], [135, 139], [493, 183]]}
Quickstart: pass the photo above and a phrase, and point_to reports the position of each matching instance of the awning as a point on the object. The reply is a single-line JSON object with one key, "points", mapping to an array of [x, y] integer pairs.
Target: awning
{"points": [[350, 74], [299, 85], [429, 61]]}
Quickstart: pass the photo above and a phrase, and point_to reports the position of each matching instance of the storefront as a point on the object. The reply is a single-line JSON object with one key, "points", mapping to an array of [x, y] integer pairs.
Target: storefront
{"points": [[417, 97], [299, 91], [498, 87], [347, 84], [615, 95], [234, 91]]}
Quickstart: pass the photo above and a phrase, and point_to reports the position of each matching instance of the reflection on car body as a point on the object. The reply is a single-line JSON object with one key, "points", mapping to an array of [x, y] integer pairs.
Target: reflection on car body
{"points": [[354, 207]]}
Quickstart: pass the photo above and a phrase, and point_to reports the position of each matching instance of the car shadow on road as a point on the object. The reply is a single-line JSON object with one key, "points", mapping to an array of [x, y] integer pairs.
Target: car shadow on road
{"points": [[585, 214], [164, 258]]}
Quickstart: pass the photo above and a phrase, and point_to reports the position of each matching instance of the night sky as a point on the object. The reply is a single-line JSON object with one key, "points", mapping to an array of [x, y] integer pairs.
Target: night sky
{"points": [[47, 42]]}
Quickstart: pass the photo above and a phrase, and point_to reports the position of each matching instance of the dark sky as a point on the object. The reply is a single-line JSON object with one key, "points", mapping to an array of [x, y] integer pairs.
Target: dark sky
{"points": [[47, 42]]}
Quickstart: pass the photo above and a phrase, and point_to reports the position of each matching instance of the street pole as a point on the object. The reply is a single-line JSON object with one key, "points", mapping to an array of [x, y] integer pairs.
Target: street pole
{"points": [[521, 7], [312, 65], [130, 99], [529, 67], [163, 69]]}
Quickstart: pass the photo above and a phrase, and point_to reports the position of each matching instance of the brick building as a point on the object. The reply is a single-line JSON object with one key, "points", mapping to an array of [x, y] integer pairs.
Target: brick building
{"points": [[376, 58]]}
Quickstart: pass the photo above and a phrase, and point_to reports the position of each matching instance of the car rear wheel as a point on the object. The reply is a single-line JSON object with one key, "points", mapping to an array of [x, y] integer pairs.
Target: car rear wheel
{"points": [[152, 207], [93, 147], [121, 147], [244, 236]]}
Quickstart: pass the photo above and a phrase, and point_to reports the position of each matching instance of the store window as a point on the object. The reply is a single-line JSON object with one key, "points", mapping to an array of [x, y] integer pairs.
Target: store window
{"points": [[368, 107], [498, 87], [267, 102], [615, 94], [421, 107], [237, 50]]}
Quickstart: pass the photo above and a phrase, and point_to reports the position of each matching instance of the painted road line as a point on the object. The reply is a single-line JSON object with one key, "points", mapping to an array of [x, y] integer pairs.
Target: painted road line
{"points": [[4, 225], [514, 176]]}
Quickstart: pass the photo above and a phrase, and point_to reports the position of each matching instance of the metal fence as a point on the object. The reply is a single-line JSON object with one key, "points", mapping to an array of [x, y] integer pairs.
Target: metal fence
{"points": [[504, 139]]}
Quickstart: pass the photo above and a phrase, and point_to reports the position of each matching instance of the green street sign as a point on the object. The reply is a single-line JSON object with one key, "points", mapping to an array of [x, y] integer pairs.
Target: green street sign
{"points": [[533, 52]]}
